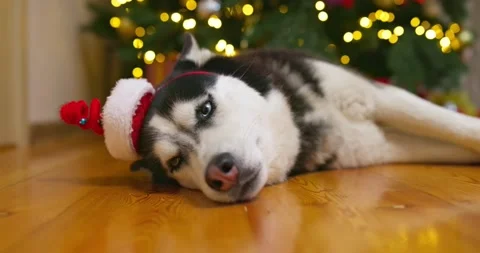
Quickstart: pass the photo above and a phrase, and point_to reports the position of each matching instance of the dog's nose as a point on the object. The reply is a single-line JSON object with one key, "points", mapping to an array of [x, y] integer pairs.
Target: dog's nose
{"points": [[222, 174]]}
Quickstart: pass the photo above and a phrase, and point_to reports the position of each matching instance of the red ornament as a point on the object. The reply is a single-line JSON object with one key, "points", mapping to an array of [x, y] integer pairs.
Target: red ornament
{"points": [[383, 80], [348, 4]]}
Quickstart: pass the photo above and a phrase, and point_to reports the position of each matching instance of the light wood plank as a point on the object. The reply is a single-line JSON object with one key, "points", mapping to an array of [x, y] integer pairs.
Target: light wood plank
{"points": [[81, 200]]}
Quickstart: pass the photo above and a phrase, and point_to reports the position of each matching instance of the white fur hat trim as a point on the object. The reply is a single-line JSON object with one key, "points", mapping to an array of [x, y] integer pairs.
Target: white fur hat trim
{"points": [[118, 113]]}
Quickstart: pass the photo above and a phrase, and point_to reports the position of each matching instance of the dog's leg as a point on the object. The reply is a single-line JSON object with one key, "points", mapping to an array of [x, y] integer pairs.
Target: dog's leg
{"points": [[384, 145], [402, 147], [402, 110]]}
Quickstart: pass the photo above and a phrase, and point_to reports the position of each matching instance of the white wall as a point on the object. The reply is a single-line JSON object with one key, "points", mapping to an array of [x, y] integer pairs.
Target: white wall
{"points": [[56, 72]]}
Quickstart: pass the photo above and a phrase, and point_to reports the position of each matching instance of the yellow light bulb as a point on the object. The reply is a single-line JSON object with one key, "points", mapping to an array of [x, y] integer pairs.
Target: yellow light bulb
{"points": [[456, 44], [160, 58], [229, 50], [319, 5], [380, 33], [398, 31], [450, 34], [348, 37], [357, 35], [191, 5], [323, 16], [247, 9], [115, 3], [455, 28], [439, 34], [137, 72], [215, 22], [221, 44], [430, 34], [446, 50], [283, 9], [115, 22], [393, 39], [149, 56], [140, 31], [384, 17], [420, 30], [189, 24], [176, 17], [386, 34], [378, 14], [391, 17], [426, 25], [445, 42], [164, 17], [137, 43], [365, 22], [372, 16], [345, 59], [415, 22]]}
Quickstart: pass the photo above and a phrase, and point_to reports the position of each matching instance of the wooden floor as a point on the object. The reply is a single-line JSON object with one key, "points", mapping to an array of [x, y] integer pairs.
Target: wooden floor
{"points": [[68, 195]]}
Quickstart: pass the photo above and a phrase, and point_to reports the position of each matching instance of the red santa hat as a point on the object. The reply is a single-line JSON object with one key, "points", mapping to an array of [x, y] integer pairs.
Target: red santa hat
{"points": [[121, 118]]}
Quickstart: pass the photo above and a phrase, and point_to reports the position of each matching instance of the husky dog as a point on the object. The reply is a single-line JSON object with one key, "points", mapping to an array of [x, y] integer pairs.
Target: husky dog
{"points": [[245, 122]]}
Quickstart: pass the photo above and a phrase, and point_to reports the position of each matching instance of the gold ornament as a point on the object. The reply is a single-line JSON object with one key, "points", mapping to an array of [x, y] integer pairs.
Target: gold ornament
{"points": [[385, 4], [126, 29]]}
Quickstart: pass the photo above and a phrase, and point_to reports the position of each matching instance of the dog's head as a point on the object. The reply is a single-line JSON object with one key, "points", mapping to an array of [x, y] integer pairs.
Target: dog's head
{"points": [[209, 130]]}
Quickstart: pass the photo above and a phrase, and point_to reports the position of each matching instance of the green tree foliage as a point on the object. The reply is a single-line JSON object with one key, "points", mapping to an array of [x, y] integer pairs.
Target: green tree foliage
{"points": [[410, 42]]}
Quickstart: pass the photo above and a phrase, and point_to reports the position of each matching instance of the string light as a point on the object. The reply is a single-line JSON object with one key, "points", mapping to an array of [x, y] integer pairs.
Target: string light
{"points": [[115, 22], [149, 57], [137, 43], [319, 5], [415, 22], [247, 9], [365, 22], [115, 3], [140, 31], [393, 39], [164, 17], [455, 44], [445, 42], [398, 31], [191, 5], [348, 37], [357, 35], [430, 34], [323, 16], [372, 16], [230, 50], [176, 17], [426, 24], [384, 34], [283, 9], [214, 22], [420, 30], [189, 24], [455, 28], [221, 44], [345, 59], [137, 72]]}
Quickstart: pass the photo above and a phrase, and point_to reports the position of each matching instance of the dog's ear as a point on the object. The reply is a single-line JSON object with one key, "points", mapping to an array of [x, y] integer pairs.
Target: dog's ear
{"points": [[192, 55], [190, 47]]}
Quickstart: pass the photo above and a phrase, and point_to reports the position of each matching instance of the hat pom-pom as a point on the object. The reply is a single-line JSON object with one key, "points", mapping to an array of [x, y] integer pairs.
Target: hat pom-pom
{"points": [[77, 113]]}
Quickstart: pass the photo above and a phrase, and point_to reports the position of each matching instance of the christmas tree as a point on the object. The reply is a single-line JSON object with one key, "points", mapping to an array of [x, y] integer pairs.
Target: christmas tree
{"points": [[409, 43]]}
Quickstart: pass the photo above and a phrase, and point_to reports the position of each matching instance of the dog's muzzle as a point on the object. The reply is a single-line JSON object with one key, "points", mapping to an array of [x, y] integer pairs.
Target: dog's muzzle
{"points": [[224, 175]]}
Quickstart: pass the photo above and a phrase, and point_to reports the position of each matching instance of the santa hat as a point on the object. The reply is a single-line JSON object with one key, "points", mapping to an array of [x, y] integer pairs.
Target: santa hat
{"points": [[122, 116]]}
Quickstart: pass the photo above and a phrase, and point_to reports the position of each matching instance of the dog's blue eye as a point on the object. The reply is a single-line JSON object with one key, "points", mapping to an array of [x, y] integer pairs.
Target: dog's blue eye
{"points": [[205, 110], [175, 163]]}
